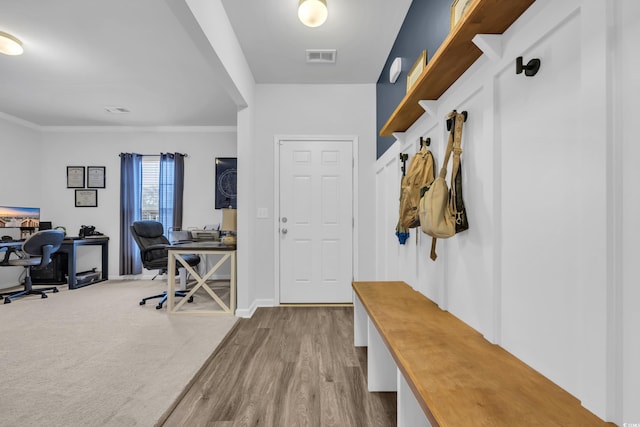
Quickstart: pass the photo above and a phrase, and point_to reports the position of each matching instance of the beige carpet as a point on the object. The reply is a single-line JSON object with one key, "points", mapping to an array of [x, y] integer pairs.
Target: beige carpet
{"points": [[94, 357]]}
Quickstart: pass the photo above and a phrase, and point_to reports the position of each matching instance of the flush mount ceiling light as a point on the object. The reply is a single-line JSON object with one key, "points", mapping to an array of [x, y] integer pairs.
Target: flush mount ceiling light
{"points": [[312, 13], [10, 45]]}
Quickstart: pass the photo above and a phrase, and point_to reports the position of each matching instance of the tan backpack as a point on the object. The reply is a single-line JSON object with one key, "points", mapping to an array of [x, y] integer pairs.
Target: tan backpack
{"points": [[420, 173], [442, 212]]}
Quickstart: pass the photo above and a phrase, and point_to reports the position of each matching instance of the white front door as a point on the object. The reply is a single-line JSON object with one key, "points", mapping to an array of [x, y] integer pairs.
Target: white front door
{"points": [[316, 221]]}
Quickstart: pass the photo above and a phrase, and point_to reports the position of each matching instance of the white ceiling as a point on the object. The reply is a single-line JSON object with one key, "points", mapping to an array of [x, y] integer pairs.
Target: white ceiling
{"points": [[84, 55]]}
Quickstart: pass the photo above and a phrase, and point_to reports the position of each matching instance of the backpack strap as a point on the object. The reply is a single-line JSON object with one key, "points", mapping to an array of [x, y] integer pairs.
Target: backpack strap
{"points": [[456, 199], [450, 146]]}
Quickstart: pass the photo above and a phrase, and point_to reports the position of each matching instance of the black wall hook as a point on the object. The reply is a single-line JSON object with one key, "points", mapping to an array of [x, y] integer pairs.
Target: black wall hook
{"points": [[425, 142], [530, 70], [451, 121], [403, 158]]}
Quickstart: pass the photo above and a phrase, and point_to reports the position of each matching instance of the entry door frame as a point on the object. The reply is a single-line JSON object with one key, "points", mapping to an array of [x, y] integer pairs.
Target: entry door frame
{"points": [[353, 139]]}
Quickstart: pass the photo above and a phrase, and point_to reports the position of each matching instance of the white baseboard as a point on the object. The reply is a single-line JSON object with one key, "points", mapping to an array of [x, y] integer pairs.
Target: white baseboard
{"points": [[248, 312]]}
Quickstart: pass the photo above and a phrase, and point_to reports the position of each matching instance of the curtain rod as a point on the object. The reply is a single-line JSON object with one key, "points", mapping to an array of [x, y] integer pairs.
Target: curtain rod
{"points": [[152, 155]]}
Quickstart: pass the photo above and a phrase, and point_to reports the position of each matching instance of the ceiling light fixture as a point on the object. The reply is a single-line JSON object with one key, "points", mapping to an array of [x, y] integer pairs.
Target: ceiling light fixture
{"points": [[10, 45], [312, 13]]}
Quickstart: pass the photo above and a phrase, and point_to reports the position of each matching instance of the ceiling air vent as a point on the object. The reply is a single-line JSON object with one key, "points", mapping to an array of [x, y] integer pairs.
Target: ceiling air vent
{"points": [[321, 56], [116, 110]]}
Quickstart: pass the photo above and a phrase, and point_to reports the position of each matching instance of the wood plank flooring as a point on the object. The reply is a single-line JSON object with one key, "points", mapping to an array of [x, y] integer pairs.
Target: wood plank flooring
{"points": [[286, 367]]}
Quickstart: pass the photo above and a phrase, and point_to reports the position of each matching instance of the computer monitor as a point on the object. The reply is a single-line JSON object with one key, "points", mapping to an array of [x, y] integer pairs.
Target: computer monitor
{"points": [[18, 221]]}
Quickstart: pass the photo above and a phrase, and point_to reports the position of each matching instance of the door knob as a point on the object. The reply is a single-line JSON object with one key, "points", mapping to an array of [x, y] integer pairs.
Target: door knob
{"points": [[284, 231]]}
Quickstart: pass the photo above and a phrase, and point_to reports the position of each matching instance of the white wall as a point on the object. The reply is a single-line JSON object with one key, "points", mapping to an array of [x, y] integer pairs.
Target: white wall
{"points": [[625, 267], [547, 268], [345, 110], [20, 175], [233, 72]]}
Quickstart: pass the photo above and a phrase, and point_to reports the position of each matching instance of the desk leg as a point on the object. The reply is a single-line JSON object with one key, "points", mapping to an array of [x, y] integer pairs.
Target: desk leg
{"points": [[71, 267], [201, 283], [105, 261], [171, 281]]}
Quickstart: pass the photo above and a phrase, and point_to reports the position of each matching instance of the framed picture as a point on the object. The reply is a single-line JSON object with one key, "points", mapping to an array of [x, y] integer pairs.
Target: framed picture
{"points": [[226, 178], [96, 176], [86, 198], [416, 70], [75, 176], [457, 10]]}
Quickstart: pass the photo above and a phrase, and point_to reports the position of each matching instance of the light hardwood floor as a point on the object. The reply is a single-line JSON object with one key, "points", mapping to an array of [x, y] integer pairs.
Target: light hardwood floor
{"points": [[286, 367]]}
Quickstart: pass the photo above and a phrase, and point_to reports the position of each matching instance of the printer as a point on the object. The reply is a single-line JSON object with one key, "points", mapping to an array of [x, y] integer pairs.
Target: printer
{"points": [[205, 234]]}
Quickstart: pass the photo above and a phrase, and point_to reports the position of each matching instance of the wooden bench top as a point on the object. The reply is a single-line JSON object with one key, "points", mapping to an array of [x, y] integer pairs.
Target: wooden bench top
{"points": [[458, 377]]}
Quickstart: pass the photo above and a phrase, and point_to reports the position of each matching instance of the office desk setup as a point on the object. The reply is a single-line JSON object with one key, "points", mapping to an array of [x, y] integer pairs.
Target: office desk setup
{"points": [[175, 252], [69, 246]]}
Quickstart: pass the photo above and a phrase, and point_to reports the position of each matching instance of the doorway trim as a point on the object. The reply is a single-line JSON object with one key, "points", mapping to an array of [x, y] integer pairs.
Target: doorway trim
{"points": [[277, 139]]}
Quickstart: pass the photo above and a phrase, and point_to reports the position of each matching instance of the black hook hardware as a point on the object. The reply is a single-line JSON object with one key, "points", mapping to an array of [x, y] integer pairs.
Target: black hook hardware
{"points": [[452, 120], [530, 70], [403, 158], [425, 142]]}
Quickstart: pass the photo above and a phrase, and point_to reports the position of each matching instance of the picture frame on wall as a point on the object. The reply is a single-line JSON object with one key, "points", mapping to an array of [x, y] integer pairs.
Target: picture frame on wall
{"points": [[458, 8], [96, 176], [226, 182], [86, 198], [75, 176], [416, 70]]}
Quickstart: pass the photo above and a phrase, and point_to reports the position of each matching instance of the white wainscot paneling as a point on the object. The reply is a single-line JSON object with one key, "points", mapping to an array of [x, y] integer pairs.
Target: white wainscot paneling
{"points": [[387, 195], [381, 220], [431, 274], [543, 189], [468, 255]]}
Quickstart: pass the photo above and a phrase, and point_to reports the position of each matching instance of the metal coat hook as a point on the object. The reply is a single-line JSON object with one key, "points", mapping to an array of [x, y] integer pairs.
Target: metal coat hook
{"points": [[403, 158], [452, 120], [530, 70], [425, 142]]}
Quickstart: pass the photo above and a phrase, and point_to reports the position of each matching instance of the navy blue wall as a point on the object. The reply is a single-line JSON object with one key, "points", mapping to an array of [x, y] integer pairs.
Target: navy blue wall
{"points": [[425, 27]]}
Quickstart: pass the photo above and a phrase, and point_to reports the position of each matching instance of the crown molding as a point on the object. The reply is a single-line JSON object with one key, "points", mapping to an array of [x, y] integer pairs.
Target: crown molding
{"points": [[19, 121], [160, 129], [115, 129]]}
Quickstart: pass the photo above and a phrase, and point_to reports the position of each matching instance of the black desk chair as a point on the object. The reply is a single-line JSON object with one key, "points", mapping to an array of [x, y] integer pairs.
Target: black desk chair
{"points": [[36, 252], [149, 235]]}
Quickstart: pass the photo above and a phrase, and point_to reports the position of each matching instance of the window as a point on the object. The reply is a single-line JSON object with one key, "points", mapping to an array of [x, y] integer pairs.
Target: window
{"points": [[151, 188]]}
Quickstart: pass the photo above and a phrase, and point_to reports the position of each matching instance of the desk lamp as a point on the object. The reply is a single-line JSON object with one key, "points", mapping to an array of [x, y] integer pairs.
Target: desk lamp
{"points": [[229, 221]]}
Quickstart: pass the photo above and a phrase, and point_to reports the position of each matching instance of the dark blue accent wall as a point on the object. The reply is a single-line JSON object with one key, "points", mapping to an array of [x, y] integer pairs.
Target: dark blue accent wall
{"points": [[425, 27]]}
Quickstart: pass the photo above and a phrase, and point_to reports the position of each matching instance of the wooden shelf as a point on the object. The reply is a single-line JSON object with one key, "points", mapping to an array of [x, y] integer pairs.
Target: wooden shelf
{"points": [[454, 57]]}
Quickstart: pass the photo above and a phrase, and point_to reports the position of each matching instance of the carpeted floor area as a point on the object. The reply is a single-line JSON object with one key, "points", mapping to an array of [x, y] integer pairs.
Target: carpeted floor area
{"points": [[94, 357]]}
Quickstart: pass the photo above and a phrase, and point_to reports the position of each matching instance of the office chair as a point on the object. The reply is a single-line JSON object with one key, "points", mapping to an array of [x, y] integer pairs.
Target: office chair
{"points": [[35, 253], [149, 236]]}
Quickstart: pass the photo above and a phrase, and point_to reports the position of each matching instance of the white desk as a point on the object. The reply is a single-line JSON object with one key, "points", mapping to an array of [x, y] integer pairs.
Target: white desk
{"points": [[175, 253]]}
